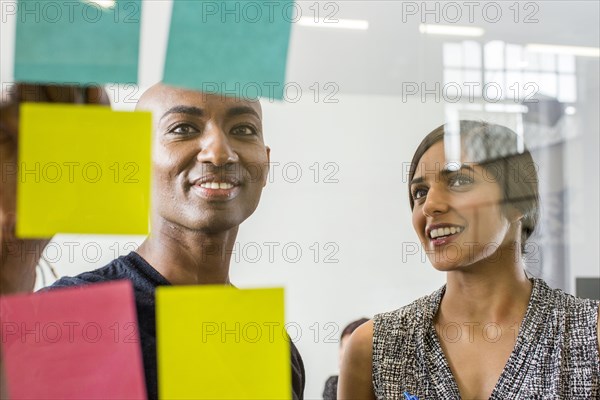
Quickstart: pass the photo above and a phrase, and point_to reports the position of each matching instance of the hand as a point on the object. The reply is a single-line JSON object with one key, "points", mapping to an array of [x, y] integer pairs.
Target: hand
{"points": [[18, 257]]}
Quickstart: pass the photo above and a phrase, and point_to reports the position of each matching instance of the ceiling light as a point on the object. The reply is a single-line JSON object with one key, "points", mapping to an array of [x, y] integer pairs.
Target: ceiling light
{"points": [[453, 30], [570, 110], [103, 3], [555, 49], [359, 24]]}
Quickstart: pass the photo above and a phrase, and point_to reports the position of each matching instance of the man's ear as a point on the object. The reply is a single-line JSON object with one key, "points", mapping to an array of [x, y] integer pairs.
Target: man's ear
{"points": [[268, 149]]}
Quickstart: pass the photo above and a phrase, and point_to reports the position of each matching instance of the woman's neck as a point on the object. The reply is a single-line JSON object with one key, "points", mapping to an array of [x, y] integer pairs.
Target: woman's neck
{"points": [[497, 290]]}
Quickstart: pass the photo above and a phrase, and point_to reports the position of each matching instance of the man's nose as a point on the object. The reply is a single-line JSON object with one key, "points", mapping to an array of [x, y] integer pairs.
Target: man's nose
{"points": [[436, 202], [215, 147]]}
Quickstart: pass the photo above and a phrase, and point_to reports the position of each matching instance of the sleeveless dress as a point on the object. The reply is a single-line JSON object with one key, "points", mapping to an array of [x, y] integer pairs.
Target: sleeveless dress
{"points": [[555, 355]]}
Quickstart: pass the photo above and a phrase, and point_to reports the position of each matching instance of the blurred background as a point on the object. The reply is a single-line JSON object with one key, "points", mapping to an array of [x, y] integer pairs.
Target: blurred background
{"points": [[367, 80]]}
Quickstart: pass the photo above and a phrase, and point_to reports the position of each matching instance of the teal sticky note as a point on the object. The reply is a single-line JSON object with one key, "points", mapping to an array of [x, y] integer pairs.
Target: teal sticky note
{"points": [[236, 48], [79, 41]]}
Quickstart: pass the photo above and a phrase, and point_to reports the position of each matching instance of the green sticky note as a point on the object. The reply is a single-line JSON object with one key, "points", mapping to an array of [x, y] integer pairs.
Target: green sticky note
{"points": [[84, 41], [218, 342], [235, 48], [82, 169]]}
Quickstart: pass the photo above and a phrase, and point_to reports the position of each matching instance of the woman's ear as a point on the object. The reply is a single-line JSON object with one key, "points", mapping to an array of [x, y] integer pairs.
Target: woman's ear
{"points": [[516, 215], [513, 213]]}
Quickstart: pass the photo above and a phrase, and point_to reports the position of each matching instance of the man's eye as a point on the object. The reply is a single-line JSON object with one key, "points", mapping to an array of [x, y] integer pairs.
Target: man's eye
{"points": [[460, 180], [243, 130], [184, 129]]}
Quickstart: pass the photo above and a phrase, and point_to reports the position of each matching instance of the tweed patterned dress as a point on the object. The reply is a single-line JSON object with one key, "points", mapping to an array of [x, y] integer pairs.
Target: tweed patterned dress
{"points": [[555, 356]]}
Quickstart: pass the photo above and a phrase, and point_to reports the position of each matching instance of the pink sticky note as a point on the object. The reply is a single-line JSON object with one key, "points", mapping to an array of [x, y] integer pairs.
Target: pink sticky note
{"points": [[73, 343]]}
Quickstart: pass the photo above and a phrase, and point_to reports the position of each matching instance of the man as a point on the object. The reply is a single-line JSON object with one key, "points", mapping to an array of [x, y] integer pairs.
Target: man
{"points": [[210, 164]]}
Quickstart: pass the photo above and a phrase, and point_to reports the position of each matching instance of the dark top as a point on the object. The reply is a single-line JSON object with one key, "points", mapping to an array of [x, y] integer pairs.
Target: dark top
{"points": [[330, 390], [145, 279]]}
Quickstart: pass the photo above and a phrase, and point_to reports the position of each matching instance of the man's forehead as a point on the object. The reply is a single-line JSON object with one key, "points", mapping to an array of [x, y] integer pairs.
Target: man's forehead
{"points": [[161, 98]]}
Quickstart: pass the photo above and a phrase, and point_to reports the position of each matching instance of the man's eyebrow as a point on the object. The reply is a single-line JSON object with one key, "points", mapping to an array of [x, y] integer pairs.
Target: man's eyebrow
{"points": [[190, 110], [445, 172], [240, 110]]}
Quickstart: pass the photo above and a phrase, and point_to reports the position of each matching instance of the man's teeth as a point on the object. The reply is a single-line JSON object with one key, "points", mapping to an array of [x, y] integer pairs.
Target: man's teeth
{"points": [[216, 185], [435, 233]]}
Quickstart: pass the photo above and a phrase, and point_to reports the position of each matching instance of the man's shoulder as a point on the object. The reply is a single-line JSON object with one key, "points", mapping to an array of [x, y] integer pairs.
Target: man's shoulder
{"points": [[120, 268]]}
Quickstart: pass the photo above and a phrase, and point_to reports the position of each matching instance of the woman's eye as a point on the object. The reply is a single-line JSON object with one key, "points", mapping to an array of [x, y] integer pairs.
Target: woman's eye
{"points": [[418, 193], [460, 180], [184, 129], [243, 130]]}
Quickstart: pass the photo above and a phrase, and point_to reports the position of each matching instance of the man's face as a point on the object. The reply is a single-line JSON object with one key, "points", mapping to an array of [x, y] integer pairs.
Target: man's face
{"points": [[210, 162]]}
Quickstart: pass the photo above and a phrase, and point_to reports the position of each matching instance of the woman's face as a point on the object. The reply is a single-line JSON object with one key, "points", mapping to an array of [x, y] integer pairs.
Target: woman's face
{"points": [[458, 212]]}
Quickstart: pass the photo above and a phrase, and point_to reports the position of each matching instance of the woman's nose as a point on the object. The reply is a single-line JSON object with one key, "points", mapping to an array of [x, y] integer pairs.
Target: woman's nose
{"points": [[436, 202]]}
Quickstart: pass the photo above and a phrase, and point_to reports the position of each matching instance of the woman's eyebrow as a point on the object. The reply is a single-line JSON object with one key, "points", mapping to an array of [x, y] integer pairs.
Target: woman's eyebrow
{"points": [[417, 180], [444, 173], [449, 171]]}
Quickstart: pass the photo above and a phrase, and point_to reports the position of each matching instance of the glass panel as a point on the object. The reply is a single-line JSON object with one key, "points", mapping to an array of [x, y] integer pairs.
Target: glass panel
{"points": [[567, 88], [514, 57], [548, 62], [566, 63], [494, 55], [472, 53], [453, 55], [548, 84]]}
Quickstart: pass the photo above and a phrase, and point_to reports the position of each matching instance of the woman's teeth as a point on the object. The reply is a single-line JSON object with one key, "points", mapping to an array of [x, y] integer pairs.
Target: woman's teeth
{"points": [[216, 185], [439, 232]]}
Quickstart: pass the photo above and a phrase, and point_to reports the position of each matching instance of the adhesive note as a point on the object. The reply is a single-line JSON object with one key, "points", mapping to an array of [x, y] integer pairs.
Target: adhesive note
{"points": [[234, 48], [216, 342], [82, 169], [73, 343], [84, 41]]}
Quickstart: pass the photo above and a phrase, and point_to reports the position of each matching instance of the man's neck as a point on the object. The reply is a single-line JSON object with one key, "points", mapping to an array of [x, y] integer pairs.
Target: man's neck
{"points": [[187, 257]]}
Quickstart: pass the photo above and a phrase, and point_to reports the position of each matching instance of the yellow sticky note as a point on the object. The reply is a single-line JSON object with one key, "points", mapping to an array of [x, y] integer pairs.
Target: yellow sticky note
{"points": [[218, 342], [82, 169]]}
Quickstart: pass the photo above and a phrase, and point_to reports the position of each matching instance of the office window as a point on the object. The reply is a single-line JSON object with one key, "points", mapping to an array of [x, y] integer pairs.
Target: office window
{"points": [[504, 72]]}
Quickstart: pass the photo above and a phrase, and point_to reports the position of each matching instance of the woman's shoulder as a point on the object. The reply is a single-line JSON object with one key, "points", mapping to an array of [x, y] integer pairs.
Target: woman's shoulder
{"points": [[574, 319], [565, 305], [409, 316]]}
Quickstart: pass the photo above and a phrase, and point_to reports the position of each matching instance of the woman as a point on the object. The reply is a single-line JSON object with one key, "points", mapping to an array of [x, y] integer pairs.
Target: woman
{"points": [[491, 331]]}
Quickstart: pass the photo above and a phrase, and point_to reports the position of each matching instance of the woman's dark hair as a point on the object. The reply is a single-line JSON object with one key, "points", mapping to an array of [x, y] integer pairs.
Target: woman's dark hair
{"points": [[495, 148], [351, 327]]}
